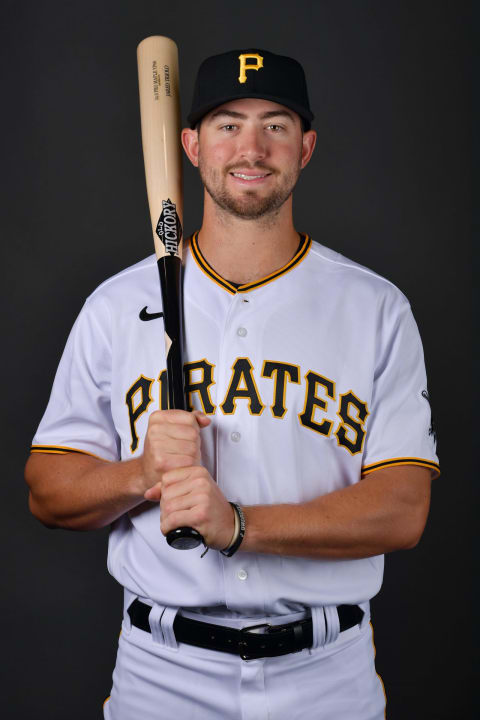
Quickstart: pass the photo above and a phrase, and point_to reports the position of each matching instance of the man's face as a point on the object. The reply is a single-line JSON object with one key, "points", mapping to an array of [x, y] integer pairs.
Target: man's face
{"points": [[250, 155]]}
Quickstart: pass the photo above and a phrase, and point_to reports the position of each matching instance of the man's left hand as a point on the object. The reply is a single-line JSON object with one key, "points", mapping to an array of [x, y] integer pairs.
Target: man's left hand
{"points": [[189, 497]]}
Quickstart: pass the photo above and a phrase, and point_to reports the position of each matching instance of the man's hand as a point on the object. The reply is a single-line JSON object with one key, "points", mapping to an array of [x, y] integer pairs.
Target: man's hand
{"points": [[174, 476], [189, 497], [172, 441]]}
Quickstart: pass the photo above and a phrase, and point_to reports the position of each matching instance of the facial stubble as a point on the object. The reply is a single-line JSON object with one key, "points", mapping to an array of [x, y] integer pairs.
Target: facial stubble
{"points": [[249, 205]]}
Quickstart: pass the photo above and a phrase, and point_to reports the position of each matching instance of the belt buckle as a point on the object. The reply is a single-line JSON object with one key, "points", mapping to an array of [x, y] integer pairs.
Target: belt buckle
{"points": [[250, 630]]}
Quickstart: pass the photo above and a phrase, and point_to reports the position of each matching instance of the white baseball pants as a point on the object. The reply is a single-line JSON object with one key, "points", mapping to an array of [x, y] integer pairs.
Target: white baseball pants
{"points": [[156, 678]]}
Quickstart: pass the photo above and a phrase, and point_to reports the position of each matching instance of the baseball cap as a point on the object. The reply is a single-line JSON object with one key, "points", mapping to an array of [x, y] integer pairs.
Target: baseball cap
{"points": [[252, 73]]}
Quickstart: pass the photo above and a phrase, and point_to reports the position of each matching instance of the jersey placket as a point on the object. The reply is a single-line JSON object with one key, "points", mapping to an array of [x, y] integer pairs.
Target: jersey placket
{"points": [[236, 446]]}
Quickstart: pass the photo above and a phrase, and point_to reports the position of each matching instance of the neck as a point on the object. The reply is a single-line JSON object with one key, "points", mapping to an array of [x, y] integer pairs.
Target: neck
{"points": [[243, 251]]}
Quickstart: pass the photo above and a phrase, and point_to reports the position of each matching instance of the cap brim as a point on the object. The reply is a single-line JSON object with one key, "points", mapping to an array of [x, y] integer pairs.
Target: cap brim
{"points": [[193, 118]]}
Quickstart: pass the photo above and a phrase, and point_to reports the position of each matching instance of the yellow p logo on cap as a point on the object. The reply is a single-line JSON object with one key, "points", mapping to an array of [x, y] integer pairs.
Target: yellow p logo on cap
{"points": [[244, 67]]}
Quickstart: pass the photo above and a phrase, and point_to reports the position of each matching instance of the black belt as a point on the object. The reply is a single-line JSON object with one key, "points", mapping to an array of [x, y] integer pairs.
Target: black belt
{"points": [[247, 642]]}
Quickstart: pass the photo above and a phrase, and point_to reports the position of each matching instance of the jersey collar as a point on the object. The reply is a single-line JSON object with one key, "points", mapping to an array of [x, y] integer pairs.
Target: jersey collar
{"points": [[232, 289]]}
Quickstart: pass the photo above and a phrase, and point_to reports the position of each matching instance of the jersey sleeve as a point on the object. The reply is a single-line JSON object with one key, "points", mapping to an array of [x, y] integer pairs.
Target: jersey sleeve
{"points": [[78, 417], [399, 427]]}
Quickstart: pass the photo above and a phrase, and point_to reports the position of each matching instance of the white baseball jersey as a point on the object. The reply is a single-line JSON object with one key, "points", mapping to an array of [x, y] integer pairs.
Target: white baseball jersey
{"points": [[313, 377]]}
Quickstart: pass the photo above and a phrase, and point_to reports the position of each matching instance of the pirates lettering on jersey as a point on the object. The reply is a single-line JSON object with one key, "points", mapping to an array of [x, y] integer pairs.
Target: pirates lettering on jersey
{"points": [[282, 373], [312, 402], [138, 405], [242, 375], [162, 379], [354, 445], [319, 390], [202, 386]]}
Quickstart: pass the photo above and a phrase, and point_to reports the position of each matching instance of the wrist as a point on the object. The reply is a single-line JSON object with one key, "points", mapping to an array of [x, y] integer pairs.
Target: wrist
{"points": [[139, 483], [249, 543]]}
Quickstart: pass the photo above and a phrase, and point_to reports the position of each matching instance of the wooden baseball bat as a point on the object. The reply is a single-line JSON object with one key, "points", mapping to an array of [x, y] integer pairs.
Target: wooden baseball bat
{"points": [[158, 80]]}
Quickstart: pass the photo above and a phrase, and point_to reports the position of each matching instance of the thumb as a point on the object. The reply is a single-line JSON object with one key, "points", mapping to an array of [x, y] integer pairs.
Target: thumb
{"points": [[201, 418]]}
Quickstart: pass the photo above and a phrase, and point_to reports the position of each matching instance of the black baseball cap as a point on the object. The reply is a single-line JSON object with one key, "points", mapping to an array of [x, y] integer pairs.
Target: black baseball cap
{"points": [[251, 73]]}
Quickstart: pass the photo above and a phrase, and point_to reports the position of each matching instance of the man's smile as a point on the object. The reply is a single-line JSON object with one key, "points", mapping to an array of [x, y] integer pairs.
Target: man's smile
{"points": [[249, 178]]}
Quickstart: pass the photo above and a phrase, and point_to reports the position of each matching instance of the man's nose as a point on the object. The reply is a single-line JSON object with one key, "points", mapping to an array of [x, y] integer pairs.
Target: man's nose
{"points": [[252, 145]]}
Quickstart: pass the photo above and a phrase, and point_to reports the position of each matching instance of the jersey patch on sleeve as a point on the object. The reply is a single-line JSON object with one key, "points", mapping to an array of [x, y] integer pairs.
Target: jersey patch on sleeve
{"points": [[431, 430]]}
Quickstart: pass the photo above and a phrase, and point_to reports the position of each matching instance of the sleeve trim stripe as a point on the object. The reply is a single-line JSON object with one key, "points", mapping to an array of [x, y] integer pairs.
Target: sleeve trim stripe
{"points": [[366, 469], [62, 450]]}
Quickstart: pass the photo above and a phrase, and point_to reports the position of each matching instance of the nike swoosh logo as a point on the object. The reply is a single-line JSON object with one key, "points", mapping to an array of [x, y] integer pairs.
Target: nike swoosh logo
{"points": [[144, 315]]}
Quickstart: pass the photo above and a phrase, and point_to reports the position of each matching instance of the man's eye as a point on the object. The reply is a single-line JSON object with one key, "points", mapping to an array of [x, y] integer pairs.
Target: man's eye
{"points": [[228, 127], [276, 128]]}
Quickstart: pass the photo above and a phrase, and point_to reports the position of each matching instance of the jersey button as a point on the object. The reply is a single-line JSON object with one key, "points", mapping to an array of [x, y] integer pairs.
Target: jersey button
{"points": [[235, 436], [241, 331], [242, 574]]}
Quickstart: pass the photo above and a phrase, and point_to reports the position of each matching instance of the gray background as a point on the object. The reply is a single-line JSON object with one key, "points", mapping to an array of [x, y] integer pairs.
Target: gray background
{"points": [[388, 186]]}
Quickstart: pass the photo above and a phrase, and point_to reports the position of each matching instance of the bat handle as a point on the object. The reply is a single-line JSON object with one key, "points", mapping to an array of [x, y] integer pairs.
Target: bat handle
{"points": [[184, 538], [170, 272]]}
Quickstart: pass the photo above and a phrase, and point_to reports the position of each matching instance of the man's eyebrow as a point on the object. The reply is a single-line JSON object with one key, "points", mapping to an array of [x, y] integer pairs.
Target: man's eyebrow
{"points": [[277, 113], [241, 116]]}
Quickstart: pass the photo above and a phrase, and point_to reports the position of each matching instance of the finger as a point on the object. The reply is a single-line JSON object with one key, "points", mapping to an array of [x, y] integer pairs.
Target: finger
{"points": [[183, 518], [174, 446], [183, 473], [154, 494], [175, 417], [201, 418], [194, 486], [182, 501], [177, 489], [174, 431], [156, 464], [169, 463]]}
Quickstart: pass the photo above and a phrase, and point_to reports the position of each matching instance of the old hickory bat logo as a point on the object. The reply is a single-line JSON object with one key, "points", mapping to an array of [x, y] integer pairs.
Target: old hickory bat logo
{"points": [[169, 228]]}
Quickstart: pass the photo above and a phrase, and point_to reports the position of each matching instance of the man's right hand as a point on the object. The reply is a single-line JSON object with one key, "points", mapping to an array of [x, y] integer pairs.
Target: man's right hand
{"points": [[172, 441]]}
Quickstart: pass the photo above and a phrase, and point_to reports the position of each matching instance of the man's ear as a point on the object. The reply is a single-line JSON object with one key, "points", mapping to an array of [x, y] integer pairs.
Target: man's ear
{"points": [[308, 143], [190, 144]]}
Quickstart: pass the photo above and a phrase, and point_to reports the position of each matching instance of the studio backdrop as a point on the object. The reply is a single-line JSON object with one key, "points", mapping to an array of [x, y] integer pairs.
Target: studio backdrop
{"points": [[388, 187]]}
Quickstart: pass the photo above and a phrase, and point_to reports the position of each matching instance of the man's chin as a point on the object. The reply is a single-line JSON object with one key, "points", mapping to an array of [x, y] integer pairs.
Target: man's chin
{"points": [[249, 211], [250, 206]]}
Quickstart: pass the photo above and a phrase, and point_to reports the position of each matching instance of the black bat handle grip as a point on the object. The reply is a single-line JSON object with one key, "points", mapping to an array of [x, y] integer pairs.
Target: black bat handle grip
{"points": [[184, 538], [170, 272]]}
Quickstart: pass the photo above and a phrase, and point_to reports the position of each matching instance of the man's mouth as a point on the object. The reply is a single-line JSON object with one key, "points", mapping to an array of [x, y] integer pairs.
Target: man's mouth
{"points": [[250, 177]]}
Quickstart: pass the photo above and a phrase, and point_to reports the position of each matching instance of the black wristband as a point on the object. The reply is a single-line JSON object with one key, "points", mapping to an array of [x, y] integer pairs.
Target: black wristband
{"points": [[228, 552]]}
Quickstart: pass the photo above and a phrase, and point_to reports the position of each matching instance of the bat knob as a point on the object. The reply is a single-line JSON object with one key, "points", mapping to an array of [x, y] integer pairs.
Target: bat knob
{"points": [[184, 538]]}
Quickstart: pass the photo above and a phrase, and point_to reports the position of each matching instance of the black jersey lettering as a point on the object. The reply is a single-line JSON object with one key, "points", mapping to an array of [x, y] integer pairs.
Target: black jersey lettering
{"points": [[242, 385], [202, 386], [137, 399], [282, 372], [162, 379], [353, 445], [312, 402]]}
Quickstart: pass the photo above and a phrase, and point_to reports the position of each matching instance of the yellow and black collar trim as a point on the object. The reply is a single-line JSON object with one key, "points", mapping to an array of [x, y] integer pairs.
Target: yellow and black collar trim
{"points": [[301, 253]]}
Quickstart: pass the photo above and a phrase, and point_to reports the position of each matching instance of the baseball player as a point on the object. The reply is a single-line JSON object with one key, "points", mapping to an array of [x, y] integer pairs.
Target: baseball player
{"points": [[309, 453]]}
